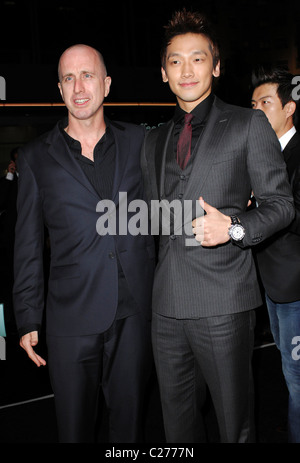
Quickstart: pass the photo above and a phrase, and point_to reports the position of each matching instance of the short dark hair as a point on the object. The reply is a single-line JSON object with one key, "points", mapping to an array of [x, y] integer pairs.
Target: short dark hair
{"points": [[283, 79], [184, 22], [275, 75]]}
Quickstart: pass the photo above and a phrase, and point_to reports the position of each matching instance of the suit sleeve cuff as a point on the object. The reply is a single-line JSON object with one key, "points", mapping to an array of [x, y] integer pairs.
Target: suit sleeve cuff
{"points": [[28, 329]]}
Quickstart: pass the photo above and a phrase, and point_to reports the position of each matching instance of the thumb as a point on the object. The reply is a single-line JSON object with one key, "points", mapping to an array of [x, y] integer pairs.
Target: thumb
{"points": [[205, 206], [34, 338]]}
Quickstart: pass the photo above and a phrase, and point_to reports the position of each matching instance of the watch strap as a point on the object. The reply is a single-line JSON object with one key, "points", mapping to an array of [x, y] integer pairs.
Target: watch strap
{"points": [[234, 220]]}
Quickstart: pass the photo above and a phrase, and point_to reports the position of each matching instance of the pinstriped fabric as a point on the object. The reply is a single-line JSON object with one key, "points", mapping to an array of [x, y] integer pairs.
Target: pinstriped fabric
{"points": [[238, 152], [202, 330], [216, 351], [186, 286]]}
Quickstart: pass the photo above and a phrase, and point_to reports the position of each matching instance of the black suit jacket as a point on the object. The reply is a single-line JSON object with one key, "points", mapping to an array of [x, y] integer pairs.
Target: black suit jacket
{"points": [[83, 283], [279, 258]]}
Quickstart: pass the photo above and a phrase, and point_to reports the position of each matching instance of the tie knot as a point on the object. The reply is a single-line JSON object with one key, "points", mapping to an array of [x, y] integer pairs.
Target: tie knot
{"points": [[187, 118]]}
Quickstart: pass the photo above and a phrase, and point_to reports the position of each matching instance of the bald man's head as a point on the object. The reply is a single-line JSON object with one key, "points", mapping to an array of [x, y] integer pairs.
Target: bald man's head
{"points": [[81, 48]]}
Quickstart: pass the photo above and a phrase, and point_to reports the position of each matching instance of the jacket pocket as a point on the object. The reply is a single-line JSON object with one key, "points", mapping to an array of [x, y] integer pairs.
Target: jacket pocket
{"points": [[58, 272]]}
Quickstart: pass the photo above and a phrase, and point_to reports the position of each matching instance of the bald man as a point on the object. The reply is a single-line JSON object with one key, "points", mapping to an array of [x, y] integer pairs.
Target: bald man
{"points": [[99, 289]]}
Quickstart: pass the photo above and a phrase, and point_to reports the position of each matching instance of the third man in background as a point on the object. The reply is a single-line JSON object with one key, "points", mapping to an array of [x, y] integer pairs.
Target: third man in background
{"points": [[279, 257]]}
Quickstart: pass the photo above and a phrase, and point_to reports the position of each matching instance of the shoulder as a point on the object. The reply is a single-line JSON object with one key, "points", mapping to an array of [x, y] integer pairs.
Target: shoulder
{"points": [[237, 111], [38, 144], [155, 133], [292, 153], [294, 143], [247, 121], [127, 127]]}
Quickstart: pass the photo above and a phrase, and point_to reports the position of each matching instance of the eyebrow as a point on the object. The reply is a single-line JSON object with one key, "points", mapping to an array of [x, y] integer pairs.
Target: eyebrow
{"points": [[196, 52], [264, 97], [68, 74]]}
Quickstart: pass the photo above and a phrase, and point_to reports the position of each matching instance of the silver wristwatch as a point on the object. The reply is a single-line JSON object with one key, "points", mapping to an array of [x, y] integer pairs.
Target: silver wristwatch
{"points": [[236, 231]]}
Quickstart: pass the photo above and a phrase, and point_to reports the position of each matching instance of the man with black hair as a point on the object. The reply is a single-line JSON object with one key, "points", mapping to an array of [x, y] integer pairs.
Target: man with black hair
{"points": [[279, 257], [205, 294]]}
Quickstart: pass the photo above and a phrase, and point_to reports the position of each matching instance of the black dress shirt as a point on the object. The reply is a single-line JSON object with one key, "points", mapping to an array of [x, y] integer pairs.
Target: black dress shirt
{"points": [[200, 114], [175, 178], [100, 172]]}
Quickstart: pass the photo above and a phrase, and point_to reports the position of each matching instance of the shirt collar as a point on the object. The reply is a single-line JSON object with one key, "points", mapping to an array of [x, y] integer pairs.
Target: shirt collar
{"points": [[286, 137], [200, 112], [72, 142]]}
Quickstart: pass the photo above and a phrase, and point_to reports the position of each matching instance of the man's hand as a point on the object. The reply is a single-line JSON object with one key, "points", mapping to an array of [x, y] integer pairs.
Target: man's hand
{"points": [[26, 342], [212, 228]]}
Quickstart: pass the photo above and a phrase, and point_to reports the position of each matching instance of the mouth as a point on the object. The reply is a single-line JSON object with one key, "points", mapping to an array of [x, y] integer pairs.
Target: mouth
{"points": [[187, 84], [81, 101]]}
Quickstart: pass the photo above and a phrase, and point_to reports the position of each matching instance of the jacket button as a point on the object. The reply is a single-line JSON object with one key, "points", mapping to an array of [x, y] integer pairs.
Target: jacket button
{"points": [[111, 255]]}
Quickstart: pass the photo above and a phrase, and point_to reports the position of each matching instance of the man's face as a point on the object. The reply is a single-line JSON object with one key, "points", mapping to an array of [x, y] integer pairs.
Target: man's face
{"points": [[189, 69], [265, 98], [83, 83]]}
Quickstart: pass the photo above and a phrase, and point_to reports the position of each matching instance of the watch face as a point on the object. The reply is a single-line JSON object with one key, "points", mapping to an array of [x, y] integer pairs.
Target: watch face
{"points": [[237, 232]]}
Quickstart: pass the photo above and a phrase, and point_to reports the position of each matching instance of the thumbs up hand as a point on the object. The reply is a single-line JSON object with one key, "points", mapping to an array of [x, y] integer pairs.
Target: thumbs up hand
{"points": [[212, 228]]}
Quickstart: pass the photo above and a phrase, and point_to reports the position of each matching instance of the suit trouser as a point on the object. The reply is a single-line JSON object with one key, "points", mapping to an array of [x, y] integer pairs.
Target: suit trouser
{"points": [[119, 360], [217, 352]]}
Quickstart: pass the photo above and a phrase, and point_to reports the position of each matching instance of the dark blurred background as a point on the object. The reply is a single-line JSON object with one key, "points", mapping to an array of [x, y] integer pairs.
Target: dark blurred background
{"points": [[34, 33]]}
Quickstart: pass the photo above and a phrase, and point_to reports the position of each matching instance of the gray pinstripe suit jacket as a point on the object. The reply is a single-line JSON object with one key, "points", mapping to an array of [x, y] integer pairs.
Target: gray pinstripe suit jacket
{"points": [[238, 153]]}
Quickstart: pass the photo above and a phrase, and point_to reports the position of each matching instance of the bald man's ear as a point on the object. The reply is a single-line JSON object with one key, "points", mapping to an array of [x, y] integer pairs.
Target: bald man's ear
{"points": [[107, 83], [60, 89]]}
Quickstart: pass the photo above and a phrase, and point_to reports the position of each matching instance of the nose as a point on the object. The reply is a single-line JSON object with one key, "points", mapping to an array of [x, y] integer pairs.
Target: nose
{"points": [[187, 70], [78, 86]]}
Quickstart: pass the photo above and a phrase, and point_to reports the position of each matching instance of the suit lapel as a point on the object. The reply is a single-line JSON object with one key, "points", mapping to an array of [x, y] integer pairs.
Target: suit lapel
{"points": [[161, 154], [288, 150], [206, 145], [60, 151], [291, 153], [122, 143], [204, 151]]}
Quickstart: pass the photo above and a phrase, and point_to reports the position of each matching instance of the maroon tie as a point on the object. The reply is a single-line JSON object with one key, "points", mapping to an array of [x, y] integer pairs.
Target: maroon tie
{"points": [[184, 142]]}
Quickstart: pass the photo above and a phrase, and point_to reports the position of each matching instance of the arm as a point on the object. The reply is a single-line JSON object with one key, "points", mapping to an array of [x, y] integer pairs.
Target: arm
{"points": [[270, 184], [267, 172], [28, 258]]}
